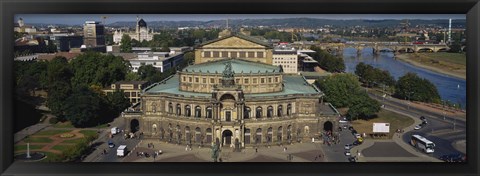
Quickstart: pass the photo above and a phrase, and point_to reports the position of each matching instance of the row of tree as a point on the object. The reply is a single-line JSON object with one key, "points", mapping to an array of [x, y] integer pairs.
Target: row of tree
{"points": [[410, 86], [328, 61], [74, 88]]}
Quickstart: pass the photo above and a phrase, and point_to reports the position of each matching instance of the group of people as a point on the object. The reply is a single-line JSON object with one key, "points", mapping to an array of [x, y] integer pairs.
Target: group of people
{"points": [[150, 145], [329, 138]]}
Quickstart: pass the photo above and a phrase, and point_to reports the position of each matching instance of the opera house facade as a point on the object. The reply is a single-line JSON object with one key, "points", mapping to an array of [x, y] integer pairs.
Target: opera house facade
{"points": [[232, 101]]}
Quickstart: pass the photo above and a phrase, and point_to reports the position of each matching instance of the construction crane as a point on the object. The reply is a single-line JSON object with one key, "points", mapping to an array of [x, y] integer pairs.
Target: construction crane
{"points": [[405, 25]]}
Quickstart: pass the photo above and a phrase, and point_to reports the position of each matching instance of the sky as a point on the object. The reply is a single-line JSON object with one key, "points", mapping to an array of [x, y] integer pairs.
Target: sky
{"points": [[76, 19]]}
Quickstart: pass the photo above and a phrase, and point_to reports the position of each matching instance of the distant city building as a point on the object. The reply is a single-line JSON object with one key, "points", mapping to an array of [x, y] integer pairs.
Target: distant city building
{"points": [[93, 34], [65, 43], [21, 27], [160, 60], [142, 32], [131, 89], [286, 56]]}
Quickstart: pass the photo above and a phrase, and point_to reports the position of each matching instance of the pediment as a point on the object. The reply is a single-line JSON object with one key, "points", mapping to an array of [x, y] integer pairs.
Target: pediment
{"points": [[233, 42]]}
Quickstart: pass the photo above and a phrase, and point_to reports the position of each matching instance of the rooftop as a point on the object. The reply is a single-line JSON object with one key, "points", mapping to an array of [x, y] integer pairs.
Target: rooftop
{"points": [[293, 85], [244, 37], [238, 66]]}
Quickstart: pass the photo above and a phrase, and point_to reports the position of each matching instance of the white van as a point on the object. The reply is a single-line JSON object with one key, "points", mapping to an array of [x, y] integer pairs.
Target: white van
{"points": [[122, 150], [115, 130]]}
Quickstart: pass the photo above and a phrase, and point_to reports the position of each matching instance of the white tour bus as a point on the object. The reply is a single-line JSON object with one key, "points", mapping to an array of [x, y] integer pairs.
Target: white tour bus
{"points": [[422, 143]]}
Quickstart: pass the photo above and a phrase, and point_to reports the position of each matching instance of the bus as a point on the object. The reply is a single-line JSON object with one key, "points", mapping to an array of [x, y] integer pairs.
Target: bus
{"points": [[422, 143]]}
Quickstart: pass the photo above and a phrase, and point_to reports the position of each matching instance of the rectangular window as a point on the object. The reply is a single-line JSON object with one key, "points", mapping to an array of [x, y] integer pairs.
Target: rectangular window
{"points": [[251, 54], [243, 54], [196, 80], [216, 54], [269, 80], [207, 54], [259, 54], [254, 80], [204, 80], [262, 80], [237, 81], [245, 81], [134, 94], [276, 79], [189, 79], [184, 79], [212, 80], [224, 53], [233, 54]]}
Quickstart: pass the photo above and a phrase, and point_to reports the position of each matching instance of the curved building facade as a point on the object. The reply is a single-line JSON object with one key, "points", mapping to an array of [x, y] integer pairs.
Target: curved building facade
{"points": [[233, 103]]}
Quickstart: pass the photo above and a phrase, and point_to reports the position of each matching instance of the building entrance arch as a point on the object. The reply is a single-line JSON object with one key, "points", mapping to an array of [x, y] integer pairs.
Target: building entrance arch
{"points": [[134, 125], [227, 138], [328, 126]]}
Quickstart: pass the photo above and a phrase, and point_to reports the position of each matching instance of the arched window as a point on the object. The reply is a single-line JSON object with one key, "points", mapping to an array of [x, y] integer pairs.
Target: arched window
{"points": [[258, 113], [198, 111], [170, 107], [188, 111], [279, 110], [209, 112], [246, 113], [179, 109], [289, 109], [269, 112], [258, 136]]}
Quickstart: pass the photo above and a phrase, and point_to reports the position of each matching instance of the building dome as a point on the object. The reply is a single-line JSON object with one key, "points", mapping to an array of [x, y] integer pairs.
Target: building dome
{"points": [[142, 23]]}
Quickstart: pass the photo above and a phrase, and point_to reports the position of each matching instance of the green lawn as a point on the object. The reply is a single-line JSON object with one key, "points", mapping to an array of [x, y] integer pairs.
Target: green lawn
{"points": [[24, 147], [88, 132], [397, 121], [51, 157], [456, 58], [62, 148], [38, 140], [73, 141], [52, 132]]}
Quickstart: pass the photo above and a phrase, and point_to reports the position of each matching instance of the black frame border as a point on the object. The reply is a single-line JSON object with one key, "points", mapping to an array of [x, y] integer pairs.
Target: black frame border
{"points": [[8, 8]]}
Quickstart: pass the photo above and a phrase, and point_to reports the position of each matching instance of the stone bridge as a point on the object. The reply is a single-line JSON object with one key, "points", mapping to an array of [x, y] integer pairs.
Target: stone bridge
{"points": [[384, 46]]}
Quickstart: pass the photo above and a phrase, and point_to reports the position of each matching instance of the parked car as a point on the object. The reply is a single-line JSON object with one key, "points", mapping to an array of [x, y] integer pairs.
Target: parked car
{"points": [[348, 146], [357, 136], [354, 132], [111, 144], [417, 127], [347, 153], [424, 122], [422, 118], [351, 128], [356, 142], [352, 159], [342, 121]]}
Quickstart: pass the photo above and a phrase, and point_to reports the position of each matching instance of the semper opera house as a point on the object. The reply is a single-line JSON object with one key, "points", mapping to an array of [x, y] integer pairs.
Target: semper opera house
{"points": [[234, 97]]}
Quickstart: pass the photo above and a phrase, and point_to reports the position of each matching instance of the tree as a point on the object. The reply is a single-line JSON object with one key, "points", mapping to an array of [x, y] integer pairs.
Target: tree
{"points": [[118, 101], [327, 61], [58, 77], [189, 57], [132, 76], [339, 89], [373, 76], [455, 48], [362, 106], [146, 72], [414, 88], [126, 44], [83, 107]]}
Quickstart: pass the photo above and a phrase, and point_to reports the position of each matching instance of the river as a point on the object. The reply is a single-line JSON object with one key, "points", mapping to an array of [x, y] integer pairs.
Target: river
{"points": [[450, 88]]}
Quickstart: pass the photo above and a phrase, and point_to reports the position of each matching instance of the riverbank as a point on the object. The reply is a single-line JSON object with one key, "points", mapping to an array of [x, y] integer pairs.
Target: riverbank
{"points": [[434, 62]]}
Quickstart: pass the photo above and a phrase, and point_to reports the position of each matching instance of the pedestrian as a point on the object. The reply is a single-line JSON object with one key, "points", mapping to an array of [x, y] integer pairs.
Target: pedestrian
{"points": [[256, 150], [153, 146]]}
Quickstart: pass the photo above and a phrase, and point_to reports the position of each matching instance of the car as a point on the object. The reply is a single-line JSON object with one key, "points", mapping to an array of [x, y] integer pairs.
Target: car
{"points": [[357, 136], [356, 142], [424, 122], [350, 128], [422, 118], [354, 132], [348, 146], [111, 144], [347, 153], [417, 127], [352, 159]]}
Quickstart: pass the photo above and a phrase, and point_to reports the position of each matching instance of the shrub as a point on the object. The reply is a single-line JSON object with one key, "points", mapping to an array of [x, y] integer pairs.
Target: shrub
{"points": [[53, 121]]}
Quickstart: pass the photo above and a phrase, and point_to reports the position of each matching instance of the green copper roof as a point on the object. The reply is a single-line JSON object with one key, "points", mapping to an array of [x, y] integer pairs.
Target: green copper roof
{"points": [[293, 85], [238, 66]]}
